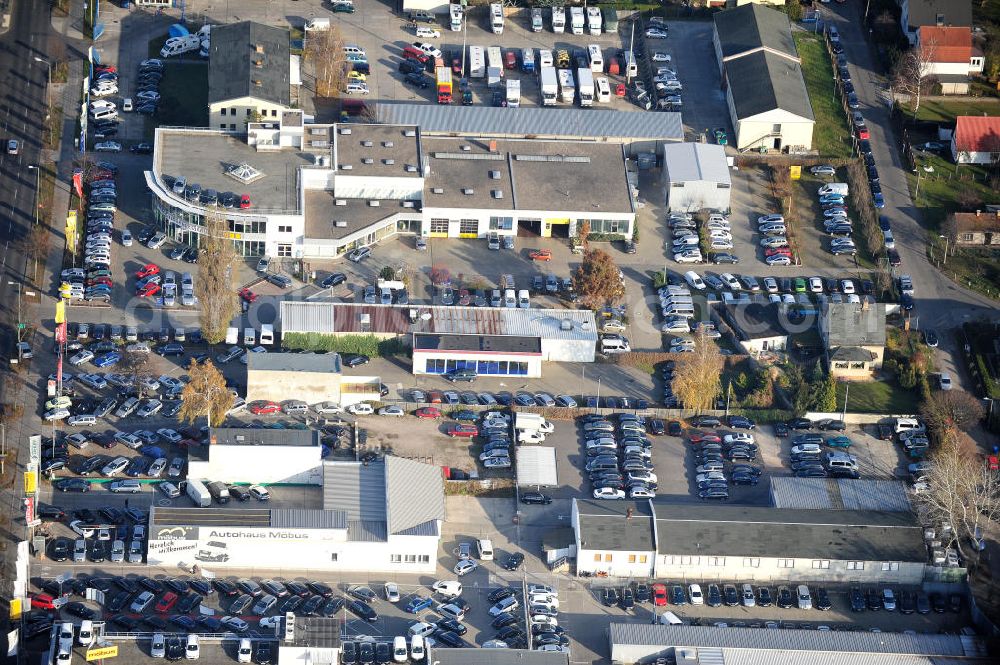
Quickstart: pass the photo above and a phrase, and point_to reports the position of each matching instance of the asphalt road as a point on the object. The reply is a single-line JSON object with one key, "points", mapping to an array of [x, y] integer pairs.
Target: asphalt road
{"points": [[939, 302]]}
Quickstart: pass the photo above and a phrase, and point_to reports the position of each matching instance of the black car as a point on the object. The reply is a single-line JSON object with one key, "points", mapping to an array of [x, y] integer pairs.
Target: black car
{"points": [[188, 603], [674, 428], [513, 561], [225, 587], [785, 598], [407, 66], [265, 653], [730, 595], [857, 600], [449, 638], [822, 599], [907, 602], [149, 584], [79, 610], [705, 421], [504, 619], [332, 606], [497, 595], [355, 359], [642, 593], [348, 653], [800, 424], [59, 550], [366, 652], [834, 425], [873, 599], [362, 610], [202, 587], [175, 648], [627, 599], [923, 603], [291, 604], [383, 653], [416, 79], [176, 585], [184, 621], [311, 605], [610, 597], [938, 602], [320, 589], [452, 625], [714, 596], [142, 148], [955, 602], [35, 628], [536, 498], [72, 485]]}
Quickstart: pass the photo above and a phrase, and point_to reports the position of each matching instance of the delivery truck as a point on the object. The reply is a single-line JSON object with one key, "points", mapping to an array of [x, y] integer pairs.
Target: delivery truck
{"points": [[456, 13], [567, 88], [558, 20], [513, 93], [577, 20], [496, 18], [477, 62], [494, 66], [550, 86], [585, 85], [232, 335], [594, 20], [444, 85], [198, 493]]}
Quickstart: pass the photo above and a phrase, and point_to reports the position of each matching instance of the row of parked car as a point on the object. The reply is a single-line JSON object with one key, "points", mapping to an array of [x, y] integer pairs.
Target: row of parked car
{"points": [[724, 458], [618, 457]]}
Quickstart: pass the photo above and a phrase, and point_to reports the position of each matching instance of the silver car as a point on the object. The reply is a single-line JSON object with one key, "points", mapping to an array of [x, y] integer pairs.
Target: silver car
{"points": [[135, 552], [176, 467], [117, 551], [80, 551]]}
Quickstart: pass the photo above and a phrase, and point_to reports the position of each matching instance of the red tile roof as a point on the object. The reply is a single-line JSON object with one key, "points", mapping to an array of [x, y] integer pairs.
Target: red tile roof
{"points": [[975, 133], [944, 44]]}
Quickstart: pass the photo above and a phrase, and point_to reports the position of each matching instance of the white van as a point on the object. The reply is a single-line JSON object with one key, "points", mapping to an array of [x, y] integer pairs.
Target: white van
{"points": [[85, 636], [245, 651], [615, 345], [603, 89], [834, 188], [267, 334], [544, 58], [416, 647], [104, 114], [631, 65], [596, 58], [351, 49], [908, 425], [249, 337], [485, 547], [670, 619]]}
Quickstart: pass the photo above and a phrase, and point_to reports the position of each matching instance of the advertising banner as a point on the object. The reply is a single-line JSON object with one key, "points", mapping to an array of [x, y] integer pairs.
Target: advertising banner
{"points": [[78, 182], [29, 509], [60, 327], [12, 638], [71, 231], [102, 652], [61, 313], [34, 448], [30, 482]]}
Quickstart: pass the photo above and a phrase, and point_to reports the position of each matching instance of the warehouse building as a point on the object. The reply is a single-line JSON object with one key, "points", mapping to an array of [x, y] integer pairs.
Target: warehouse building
{"points": [[312, 378], [699, 542], [475, 656], [382, 516], [696, 177], [839, 493], [315, 191], [710, 645], [614, 538], [495, 341], [266, 456]]}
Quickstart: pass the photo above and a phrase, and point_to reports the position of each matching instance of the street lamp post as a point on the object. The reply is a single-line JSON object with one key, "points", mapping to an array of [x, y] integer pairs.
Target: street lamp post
{"points": [[18, 285], [38, 178], [48, 69]]}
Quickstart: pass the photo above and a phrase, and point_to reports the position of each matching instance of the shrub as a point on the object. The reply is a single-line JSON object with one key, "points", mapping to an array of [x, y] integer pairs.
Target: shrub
{"points": [[368, 345]]}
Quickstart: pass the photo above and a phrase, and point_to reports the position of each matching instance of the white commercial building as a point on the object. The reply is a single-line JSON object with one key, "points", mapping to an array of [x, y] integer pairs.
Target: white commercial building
{"points": [[315, 191], [696, 177], [382, 516], [311, 378], [496, 341], [266, 456], [614, 538]]}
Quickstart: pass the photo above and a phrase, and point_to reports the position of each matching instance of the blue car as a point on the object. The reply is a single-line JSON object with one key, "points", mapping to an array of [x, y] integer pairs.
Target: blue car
{"points": [[418, 604], [879, 200], [829, 199], [465, 415], [108, 359]]}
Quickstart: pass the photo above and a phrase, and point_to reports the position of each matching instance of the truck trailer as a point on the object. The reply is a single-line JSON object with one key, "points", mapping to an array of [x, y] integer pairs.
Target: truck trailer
{"points": [[585, 84], [477, 62], [567, 88], [445, 88], [577, 20], [496, 18], [558, 20], [550, 86], [456, 13]]}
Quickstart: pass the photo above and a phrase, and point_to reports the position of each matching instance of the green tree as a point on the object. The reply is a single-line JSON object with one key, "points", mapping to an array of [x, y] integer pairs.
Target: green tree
{"points": [[794, 10], [797, 388], [598, 280], [698, 375], [214, 286], [205, 395], [825, 394], [388, 273]]}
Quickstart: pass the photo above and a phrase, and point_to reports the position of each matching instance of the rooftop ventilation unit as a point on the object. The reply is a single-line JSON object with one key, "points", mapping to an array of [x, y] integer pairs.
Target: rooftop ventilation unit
{"points": [[387, 144], [388, 162], [374, 204], [344, 130], [346, 167], [368, 160], [410, 168], [409, 204], [367, 144], [320, 130], [340, 202], [466, 148], [438, 190], [494, 175], [409, 132], [244, 173], [497, 194], [566, 324], [468, 191], [340, 223]]}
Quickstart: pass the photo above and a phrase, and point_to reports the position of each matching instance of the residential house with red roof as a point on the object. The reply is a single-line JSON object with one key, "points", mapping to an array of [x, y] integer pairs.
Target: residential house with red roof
{"points": [[976, 140], [950, 56], [914, 14]]}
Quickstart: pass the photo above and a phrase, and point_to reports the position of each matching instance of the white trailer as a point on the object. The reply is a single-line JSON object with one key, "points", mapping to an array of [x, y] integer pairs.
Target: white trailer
{"points": [[585, 83], [567, 88], [531, 421], [496, 18], [477, 62], [198, 493], [550, 86], [513, 93], [455, 10], [594, 20], [558, 20], [576, 20], [494, 57]]}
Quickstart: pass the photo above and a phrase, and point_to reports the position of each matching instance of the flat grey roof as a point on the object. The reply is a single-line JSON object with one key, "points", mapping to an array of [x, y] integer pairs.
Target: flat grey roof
{"points": [[839, 493], [322, 214], [850, 324], [762, 82], [327, 363], [203, 156], [607, 525], [245, 436], [526, 175], [278, 518], [317, 632], [475, 656], [355, 488], [249, 59], [486, 121], [753, 26], [789, 640], [357, 142], [757, 320], [852, 535], [693, 162], [491, 343]]}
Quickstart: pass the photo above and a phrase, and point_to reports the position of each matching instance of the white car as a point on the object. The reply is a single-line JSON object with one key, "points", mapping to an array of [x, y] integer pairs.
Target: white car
{"points": [[689, 256], [361, 409], [447, 588], [422, 629], [694, 592], [660, 56], [326, 408], [806, 448], [157, 648], [609, 493], [465, 567], [81, 357], [157, 468], [56, 414], [731, 281], [429, 49], [778, 260], [738, 437], [770, 219], [816, 285], [108, 146], [655, 33], [676, 325], [391, 411], [391, 590], [694, 280]]}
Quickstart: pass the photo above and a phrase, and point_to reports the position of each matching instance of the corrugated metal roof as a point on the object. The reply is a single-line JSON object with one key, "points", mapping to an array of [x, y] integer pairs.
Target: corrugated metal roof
{"points": [[837, 642], [243, 517], [327, 317], [692, 162], [355, 488], [429, 528], [293, 518], [790, 492], [534, 121], [754, 657], [414, 493], [864, 494], [366, 531], [475, 656], [328, 363], [536, 466]]}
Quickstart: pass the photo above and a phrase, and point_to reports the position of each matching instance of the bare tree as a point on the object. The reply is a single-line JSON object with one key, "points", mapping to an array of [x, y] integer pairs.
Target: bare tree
{"points": [[324, 49], [205, 395], [135, 365], [963, 492], [912, 74], [214, 287], [698, 375], [951, 410]]}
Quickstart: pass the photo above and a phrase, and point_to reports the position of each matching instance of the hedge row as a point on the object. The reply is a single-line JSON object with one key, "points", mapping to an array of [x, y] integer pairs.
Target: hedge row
{"points": [[368, 345]]}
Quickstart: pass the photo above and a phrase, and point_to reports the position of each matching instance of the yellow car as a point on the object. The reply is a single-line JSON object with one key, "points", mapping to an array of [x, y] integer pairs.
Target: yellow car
{"points": [[356, 76]]}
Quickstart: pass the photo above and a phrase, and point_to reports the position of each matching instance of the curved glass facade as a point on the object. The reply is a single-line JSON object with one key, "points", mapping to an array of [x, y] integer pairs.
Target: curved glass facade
{"points": [[183, 226]]}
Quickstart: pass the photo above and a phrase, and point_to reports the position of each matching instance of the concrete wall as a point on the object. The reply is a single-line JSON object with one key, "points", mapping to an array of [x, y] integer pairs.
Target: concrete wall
{"points": [[858, 418], [757, 569], [261, 464], [794, 131], [637, 564], [269, 112], [435, 6]]}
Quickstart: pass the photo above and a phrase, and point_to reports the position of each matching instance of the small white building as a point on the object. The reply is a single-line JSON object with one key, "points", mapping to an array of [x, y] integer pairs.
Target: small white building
{"points": [[696, 177], [614, 538], [976, 140], [950, 56], [267, 456], [312, 378], [382, 516]]}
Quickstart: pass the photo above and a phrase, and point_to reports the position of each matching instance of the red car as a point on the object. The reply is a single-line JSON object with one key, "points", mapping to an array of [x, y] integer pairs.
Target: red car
{"points": [[464, 298], [169, 600], [99, 280], [434, 396], [540, 255], [95, 176], [659, 595], [428, 412], [863, 133], [248, 295], [147, 270], [264, 408], [42, 601], [992, 462], [620, 90], [148, 291], [244, 201], [778, 251], [466, 431], [697, 436]]}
